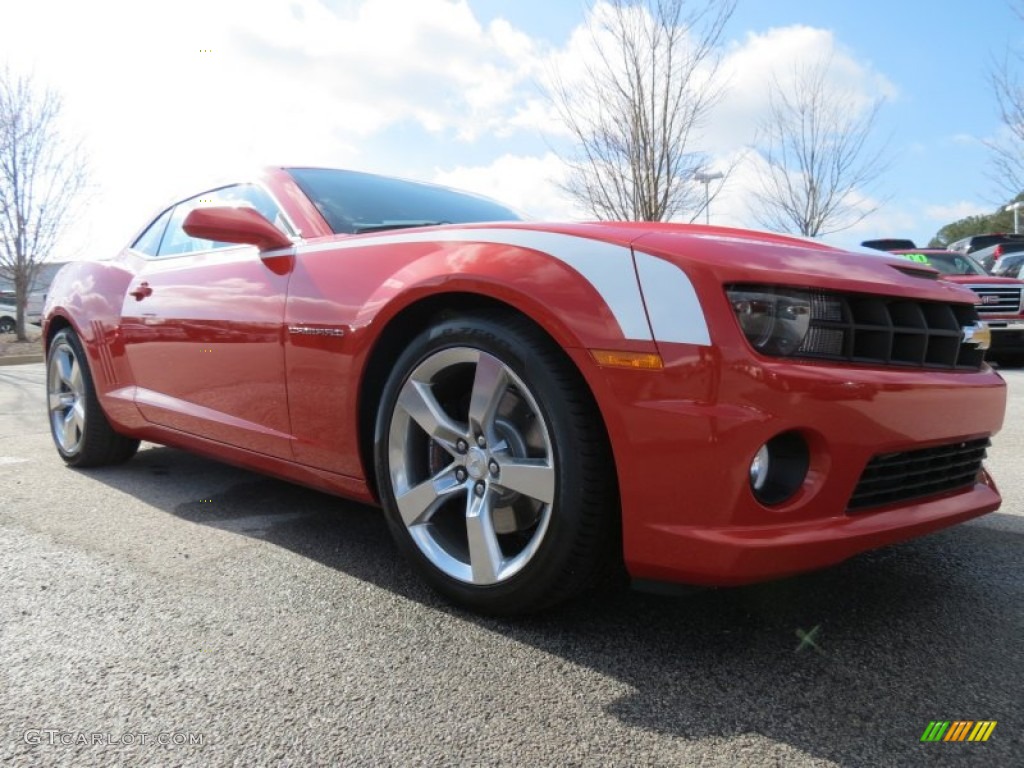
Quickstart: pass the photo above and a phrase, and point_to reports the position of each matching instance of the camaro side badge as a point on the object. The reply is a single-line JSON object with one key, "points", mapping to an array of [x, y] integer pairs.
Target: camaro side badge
{"points": [[305, 330]]}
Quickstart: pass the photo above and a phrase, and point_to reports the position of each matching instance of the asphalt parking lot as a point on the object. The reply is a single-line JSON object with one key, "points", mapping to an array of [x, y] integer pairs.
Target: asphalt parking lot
{"points": [[246, 621]]}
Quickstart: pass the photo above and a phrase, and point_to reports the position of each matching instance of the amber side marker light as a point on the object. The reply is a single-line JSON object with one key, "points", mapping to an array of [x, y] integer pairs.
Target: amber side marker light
{"points": [[638, 361]]}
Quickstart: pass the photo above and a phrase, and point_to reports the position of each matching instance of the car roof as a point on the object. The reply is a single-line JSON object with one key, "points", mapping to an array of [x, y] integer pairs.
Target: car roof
{"points": [[889, 244], [977, 242], [1009, 246]]}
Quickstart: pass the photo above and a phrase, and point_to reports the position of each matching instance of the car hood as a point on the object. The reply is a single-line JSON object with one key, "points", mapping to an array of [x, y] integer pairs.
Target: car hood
{"points": [[982, 280], [744, 256]]}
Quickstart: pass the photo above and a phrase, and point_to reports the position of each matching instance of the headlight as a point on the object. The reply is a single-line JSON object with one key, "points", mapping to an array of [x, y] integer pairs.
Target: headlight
{"points": [[774, 320]]}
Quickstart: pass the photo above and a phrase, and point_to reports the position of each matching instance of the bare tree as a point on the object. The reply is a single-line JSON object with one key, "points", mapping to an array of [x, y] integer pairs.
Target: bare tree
{"points": [[818, 161], [634, 113], [1008, 149], [41, 179]]}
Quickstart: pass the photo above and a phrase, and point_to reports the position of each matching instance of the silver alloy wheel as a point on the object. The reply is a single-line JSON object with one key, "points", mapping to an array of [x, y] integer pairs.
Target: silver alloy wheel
{"points": [[66, 390], [471, 465]]}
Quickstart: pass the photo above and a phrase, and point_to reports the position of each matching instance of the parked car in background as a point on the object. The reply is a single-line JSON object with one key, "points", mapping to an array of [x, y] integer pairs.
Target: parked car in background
{"points": [[1009, 266], [977, 242], [999, 299], [7, 318], [36, 295], [889, 244], [33, 309], [990, 256]]}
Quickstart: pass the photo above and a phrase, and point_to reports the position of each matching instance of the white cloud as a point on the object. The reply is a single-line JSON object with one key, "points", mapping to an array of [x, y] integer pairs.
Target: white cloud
{"points": [[161, 100], [947, 212], [314, 82], [751, 66]]}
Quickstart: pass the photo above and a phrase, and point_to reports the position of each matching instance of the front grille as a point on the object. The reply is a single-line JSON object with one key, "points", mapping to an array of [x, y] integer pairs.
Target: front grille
{"points": [[997, 299], [894, 477]]}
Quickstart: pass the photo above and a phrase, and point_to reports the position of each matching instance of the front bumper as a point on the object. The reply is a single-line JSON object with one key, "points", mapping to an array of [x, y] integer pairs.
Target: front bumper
{"points": [[683, 440], [742, 555]]}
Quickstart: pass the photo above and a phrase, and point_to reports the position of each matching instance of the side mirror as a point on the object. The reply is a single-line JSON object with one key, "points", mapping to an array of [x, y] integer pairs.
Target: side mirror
{"points": [[235, 224]]}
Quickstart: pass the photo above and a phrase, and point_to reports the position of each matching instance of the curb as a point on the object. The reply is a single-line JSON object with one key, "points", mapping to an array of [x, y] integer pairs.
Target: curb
{"points": [[20, 359]]}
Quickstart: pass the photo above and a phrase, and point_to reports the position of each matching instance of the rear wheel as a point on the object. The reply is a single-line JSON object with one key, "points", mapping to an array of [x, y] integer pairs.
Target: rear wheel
{"points": [[7, 325], [80, 430], [493, 466]]}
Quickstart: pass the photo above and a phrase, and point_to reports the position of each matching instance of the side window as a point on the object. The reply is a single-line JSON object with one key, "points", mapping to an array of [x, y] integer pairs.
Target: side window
{"points": [[176, 240], [259, 199], [149, 241]]}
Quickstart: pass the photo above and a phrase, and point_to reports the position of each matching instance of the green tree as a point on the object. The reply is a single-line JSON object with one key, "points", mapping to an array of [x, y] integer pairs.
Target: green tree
{"points": [[999, 220]]}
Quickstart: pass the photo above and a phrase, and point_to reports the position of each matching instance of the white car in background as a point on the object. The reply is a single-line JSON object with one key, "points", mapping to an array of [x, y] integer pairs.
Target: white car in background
{"points": [[33, 310], [7, 318], [8, 314]]}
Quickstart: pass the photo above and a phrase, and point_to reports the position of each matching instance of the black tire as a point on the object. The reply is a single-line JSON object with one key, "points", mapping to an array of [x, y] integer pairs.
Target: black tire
{"points": [[544, 416], [80, 430], [7, 325]]}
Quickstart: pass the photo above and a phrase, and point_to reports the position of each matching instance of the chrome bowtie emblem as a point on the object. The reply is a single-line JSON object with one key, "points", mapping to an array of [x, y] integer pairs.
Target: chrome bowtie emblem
{"points": [[978, 334]]}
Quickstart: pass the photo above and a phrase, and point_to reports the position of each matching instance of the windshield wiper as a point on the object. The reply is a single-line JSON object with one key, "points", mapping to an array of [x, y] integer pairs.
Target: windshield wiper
{"points": [[359, 229]]}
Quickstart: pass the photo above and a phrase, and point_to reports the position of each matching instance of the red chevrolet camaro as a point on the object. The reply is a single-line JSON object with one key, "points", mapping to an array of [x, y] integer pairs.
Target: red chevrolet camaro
{"points": [[528, 402]]}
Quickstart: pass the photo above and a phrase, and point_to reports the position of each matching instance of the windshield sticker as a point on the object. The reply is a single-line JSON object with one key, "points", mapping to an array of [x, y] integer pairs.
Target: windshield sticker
{"points": [[920, 258]]}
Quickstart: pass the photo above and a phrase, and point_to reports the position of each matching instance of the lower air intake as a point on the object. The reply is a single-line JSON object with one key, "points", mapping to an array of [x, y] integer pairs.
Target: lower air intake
{"points": [[894, 477]]}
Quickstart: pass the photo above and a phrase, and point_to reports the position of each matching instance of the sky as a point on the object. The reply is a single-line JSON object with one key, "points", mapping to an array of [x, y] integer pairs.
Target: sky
{"points": [[167, 96]]}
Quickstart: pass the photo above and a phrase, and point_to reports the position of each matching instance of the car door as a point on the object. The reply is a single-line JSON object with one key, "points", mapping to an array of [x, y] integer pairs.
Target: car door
{"points": [[203, 332]]}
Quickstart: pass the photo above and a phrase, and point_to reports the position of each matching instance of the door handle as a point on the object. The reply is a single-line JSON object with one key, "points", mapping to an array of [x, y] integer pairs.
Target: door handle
{"points": [[141, 292]]}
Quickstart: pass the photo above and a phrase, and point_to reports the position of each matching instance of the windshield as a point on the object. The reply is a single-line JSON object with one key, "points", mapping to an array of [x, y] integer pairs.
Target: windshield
{"points": [[947, 263], [353, 202]]}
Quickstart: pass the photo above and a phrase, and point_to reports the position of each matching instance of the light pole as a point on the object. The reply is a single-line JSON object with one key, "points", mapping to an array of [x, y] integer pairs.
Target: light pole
{"points": [[706, 178], [1015, 207]]}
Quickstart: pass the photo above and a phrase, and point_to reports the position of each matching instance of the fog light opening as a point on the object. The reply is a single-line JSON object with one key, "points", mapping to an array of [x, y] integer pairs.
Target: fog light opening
{"points": [[779, 468]]}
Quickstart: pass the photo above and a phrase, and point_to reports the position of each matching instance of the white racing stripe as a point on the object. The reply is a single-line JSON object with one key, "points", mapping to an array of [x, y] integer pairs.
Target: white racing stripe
{"points": [[607, 267], [675, 311], [672, 303]]}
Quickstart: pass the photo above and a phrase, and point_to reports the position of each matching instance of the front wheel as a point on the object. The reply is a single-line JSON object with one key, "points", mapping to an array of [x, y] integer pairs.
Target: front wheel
{"points": [[493, 466], [80, 430]]}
